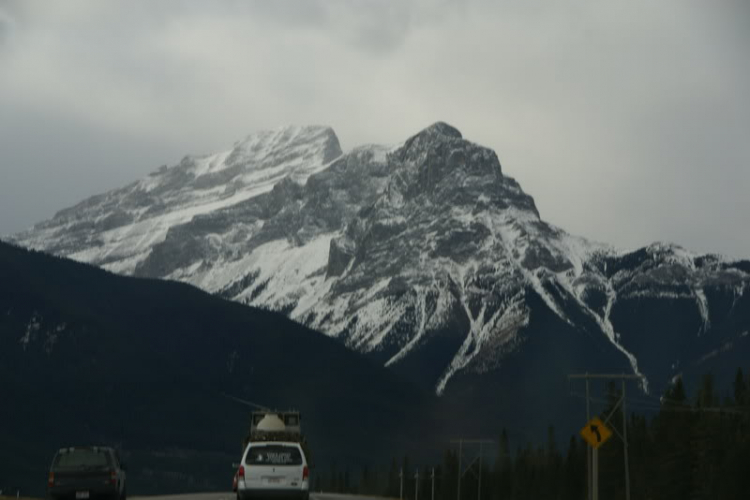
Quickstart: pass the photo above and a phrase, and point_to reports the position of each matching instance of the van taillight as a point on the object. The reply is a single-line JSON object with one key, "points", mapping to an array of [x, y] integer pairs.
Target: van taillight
{"points": [[305, 473], [241, 472], [51, 479]]}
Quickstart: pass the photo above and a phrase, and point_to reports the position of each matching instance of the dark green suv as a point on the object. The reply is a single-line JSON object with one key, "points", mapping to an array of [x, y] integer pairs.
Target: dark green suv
{"points": [[87, 473]]}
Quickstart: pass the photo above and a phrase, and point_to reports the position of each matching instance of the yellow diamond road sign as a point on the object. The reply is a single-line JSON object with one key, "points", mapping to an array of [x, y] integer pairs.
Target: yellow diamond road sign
{"points": [[596, 433]]}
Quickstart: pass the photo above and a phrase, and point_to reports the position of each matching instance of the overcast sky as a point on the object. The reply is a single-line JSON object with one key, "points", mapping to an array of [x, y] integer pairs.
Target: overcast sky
{"points": [[628, 122]]}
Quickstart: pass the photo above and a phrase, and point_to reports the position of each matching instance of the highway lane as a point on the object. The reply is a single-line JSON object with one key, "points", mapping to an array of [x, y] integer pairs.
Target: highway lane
{"points": [[231, 496], [190, 496]]}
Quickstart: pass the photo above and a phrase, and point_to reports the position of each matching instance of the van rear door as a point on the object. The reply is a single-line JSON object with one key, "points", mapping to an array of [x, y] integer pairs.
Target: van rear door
{"points": [[274, 465]]}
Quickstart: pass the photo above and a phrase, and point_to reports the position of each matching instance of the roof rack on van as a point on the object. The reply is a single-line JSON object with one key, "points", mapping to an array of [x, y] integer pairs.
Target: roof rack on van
{"points": [[272, 425]]}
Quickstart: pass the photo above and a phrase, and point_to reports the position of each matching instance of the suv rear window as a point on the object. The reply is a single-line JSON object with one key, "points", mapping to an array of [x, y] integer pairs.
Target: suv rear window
{"points": [[274, 455], [84, 457]]}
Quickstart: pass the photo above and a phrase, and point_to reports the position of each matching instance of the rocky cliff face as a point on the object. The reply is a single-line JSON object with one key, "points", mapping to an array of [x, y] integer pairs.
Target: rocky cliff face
{"points": [[424, 255]]}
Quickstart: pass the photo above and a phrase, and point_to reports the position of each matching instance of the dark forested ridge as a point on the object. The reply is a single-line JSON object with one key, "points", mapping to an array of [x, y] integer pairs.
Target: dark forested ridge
{"points": [[89, 357]]}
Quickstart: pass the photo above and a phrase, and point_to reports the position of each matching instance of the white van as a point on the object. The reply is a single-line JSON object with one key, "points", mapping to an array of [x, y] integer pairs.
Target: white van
{"points": [[273, 469]]}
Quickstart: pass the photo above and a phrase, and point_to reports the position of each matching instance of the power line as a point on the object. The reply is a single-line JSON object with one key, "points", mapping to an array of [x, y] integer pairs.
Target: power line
{"points": [[245, 402], [684, 407], [461, 472]]}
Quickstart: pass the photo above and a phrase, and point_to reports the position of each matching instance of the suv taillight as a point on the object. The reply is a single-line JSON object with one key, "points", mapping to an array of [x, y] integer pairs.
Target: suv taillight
{"points": [[305, 473], [113, 476], [51, 480], [241, 472]]}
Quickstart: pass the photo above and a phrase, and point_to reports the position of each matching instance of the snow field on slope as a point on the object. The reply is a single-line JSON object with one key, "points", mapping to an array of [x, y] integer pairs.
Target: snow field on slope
{"points": [[138, 239], [604, 322], [292, 272], [506, 321]]}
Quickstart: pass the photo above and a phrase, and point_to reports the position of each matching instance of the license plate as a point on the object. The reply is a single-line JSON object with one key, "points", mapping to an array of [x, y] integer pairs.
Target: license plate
{"points": [[274, 480], [81, 494]]}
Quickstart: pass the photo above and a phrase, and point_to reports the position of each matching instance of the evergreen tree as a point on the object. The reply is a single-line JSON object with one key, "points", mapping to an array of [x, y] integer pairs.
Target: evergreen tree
{"points": [[333, 484], [740, 389], [503, 473], [552, 467], [704, 450], [706, 395], [439, 481], [672, 430], [524, 471], [641, 456], [364, 484], [573, 486], [408, 485], [392, 489], [449, 481]]}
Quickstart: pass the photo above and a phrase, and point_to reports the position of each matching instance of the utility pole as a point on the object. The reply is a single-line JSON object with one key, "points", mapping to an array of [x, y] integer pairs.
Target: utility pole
{"points": [[461, 442], [401, 484], [433, 483], [593, 454], [479, 485], [595, 474], [589, 483], [625, 441], [416, 484], [460, 454]]}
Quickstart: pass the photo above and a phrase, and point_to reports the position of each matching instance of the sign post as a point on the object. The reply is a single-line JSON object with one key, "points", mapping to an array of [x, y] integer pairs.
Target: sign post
{"points": [[599, 434], [595, 474], [595, 433]]}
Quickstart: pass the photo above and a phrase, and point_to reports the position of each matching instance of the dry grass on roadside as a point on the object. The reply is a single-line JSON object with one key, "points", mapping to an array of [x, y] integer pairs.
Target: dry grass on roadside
{"points": [[13, 497]]}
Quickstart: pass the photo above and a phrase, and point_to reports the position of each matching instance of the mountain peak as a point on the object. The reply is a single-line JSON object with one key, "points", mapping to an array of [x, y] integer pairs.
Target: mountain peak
{"points": [[441, 128], [439, 152], [288, 139], [290, 130]]}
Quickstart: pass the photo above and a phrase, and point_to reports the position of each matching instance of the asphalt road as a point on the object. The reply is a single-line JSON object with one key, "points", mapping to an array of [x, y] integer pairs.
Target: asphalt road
{"points": [[230, 496]]}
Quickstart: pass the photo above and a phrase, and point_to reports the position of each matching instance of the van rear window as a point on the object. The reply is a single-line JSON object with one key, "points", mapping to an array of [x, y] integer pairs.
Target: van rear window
{"points": [[82, 457], [274, 455]]}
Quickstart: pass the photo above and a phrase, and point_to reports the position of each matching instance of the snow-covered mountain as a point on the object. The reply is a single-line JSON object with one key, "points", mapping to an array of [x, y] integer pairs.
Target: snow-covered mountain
{"points": [[423, 254], [118, 229]]}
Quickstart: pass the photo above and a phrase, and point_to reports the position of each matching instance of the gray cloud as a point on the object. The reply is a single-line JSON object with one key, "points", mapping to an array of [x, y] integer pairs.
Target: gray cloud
{"points": [[6, 27], [377, 26], [627, 123]]}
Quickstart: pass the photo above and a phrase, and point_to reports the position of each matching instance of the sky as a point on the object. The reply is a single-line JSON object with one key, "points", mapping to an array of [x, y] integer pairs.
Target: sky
{"points": [[628, 122]]}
